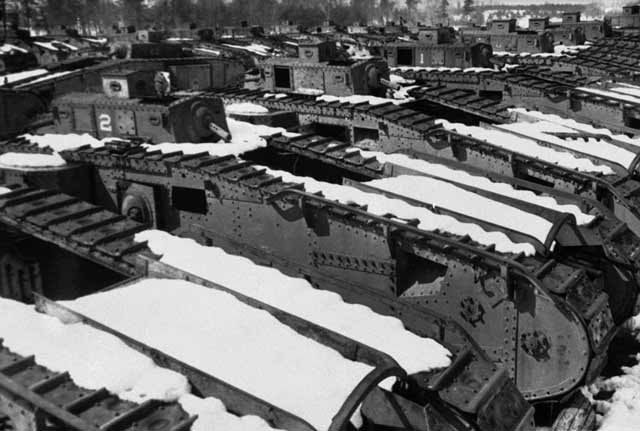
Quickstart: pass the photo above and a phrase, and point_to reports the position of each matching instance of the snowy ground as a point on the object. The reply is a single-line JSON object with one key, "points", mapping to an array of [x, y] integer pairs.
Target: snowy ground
{"points": [[95, 359], [244, 346], [622, 411]]}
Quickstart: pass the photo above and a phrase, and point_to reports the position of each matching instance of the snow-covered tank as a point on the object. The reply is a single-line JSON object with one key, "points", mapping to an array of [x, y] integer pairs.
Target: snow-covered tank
{"points": [[139, 104]]}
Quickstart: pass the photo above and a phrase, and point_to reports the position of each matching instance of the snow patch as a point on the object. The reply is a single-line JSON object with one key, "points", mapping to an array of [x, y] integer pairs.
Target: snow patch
{"points": [[26, 160], [593, 147], [446, 195], [212, 415], [254, 48], [8, 48], [298, 297], [244, 346], [207, 51], [357, 98], [4, 190], [309, 91], [58, 142], [428, 221], [464, 178], [45, 78], [275, 95], [46, 45], [630, 91], [19, 76], [611, 95], [397, 79], [95, 359], [245, 108], [527, 147], [244, 137], [522, 114]]}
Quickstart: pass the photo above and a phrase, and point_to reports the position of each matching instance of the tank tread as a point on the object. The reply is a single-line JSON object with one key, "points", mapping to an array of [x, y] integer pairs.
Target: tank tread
{"points": [[104, 237], [31, 395], [411, 122], [330, 151]]}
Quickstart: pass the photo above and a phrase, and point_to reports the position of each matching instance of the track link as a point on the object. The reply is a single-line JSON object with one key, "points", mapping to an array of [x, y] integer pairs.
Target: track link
{"points": [[34, 397]]}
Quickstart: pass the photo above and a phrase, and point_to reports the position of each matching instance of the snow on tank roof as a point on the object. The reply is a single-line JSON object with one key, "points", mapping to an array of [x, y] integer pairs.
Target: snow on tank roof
{"points": [[244, 346], [298, 297], [428, 220], [465, 178], [527, 147], [592, 146], [96, 359]]}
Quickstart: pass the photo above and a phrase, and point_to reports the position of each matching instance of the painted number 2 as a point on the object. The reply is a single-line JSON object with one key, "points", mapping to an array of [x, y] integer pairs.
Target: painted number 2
{"points": [[105, 122]]}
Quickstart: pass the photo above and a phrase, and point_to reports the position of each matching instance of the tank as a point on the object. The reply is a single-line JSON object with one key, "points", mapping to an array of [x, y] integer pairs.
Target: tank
{"points": [[420, 54], [138, 104], [319, 68]]}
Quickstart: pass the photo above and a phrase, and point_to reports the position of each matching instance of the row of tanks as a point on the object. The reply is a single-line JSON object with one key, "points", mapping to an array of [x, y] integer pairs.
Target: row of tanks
{"points": [[546, 316]]}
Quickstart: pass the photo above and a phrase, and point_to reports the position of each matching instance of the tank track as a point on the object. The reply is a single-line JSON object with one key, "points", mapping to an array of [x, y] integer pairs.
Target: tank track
{"points": [[454, 385], [534, 87], [616, 57], [506, 166], [562, 282], [32, 395], [103, 237]]}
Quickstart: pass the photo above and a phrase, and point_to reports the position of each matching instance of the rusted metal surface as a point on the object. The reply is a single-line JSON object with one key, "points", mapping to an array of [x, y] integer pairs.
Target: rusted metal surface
{"points": [[34, 397]]}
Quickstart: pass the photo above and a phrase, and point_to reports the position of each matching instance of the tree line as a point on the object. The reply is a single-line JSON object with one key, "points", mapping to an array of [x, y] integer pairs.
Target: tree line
{"points": [[105, 15]]}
